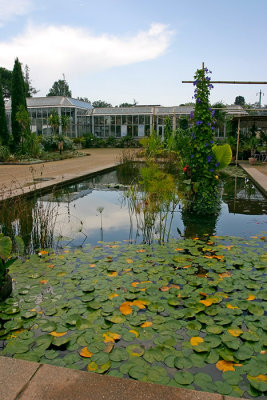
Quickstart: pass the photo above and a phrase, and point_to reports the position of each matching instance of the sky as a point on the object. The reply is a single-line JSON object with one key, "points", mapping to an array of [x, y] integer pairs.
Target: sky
{"points": [[120, 50]]}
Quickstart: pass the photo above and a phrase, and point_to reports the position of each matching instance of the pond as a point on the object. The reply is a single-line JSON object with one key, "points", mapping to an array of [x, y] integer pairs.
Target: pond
{"points": [[189, 312], [97, 209]]}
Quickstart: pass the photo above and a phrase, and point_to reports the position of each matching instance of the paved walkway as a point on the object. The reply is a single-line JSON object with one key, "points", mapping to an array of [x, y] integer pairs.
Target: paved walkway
{"points": [[257, 173], [18, 179], [24, 380]]}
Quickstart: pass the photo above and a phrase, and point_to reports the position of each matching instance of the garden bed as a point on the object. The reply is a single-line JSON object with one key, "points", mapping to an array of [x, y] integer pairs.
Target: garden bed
{"points": [[190, 313]]}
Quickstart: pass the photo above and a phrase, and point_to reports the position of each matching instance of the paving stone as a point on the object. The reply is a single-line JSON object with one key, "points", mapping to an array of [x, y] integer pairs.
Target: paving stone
{"points": [[56, 383], [14, 375]]}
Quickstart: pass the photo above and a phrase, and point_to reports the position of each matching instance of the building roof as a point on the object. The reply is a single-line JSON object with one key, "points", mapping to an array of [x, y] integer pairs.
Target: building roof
{"points": [[54, 101]]}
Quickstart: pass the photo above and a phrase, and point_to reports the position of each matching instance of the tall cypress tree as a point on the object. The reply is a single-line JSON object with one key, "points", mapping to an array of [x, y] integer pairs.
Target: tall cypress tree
{"points": [[18, 99], [4, 135]]}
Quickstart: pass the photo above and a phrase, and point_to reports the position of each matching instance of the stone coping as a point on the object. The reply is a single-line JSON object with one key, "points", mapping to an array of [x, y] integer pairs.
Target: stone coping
{"points": [[258, 174], [25, 380]]}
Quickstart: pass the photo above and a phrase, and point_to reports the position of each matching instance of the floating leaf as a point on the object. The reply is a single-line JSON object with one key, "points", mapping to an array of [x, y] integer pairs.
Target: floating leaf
{"points": [[196, 340], [223, 365], [146, 324], [112, 295], [135, 332], [255, 309], [111, 337], [125, 308], [231, 307], [86, 353], [258, 382], [57, 334], [235, 332], [114, 273], [183, 377], [135, 350]]}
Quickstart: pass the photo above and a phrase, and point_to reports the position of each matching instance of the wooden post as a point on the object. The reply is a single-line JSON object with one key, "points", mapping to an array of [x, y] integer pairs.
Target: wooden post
{"points": [[237, 144]]}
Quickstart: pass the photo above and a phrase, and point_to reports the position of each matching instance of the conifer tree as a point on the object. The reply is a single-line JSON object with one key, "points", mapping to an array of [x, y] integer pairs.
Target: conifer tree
{"points": [[4, 135], [18, 99]]}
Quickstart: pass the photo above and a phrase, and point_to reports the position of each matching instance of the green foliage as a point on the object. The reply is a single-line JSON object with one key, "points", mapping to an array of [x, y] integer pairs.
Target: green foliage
{"points": [[223, 155], [171, 297], [199, 161], [59, 88], [4, 134], [5, 256], [168, 132], [29, 142], [183, 141], [29, 90], [65, 120], [4, 153], [6, 78], [240, 101], [129, 104], [50, 142], [101, 104], [54, 121], [152, 144], [183, 123], [18, 99]]}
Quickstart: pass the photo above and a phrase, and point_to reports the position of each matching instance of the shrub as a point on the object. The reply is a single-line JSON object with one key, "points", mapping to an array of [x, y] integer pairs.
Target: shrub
{"points": [[50, 142], [4, 153]]}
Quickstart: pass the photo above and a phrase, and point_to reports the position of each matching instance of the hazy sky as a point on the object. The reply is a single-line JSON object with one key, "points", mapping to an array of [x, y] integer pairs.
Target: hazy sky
{"points": [[120, 50]]}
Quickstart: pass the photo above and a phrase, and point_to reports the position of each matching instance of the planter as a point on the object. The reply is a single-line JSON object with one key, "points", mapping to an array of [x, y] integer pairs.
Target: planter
{"points": [[252, 160], [5, 288]]}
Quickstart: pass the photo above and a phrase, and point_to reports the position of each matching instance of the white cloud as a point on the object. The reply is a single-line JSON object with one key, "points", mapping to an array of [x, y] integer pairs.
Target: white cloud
{"points": [[13, 8], [51, 50]]}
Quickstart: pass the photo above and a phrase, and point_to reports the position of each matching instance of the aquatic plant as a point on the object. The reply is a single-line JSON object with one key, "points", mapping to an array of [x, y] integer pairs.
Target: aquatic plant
{"points": [[200, 157]]}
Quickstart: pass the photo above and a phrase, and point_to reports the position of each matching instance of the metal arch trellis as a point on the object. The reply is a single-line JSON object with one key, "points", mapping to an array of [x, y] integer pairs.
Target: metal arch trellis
{"points": [[238, 83]]}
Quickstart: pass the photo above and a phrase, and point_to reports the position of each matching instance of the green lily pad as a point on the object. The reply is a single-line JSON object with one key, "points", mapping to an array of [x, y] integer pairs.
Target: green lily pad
{"points": [[135, 350], [183, 377], [258, 382], [223, 387]]}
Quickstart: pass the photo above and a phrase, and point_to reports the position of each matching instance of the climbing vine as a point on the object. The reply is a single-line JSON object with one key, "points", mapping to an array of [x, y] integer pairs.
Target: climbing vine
{"points": [[200, 163]]}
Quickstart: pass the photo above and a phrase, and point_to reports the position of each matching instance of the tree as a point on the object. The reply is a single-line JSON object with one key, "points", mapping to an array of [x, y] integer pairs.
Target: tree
{"points": [[59, 88], [4, 135], [129, 104], [7, 82], [18, 99], [29, 90], [101, 104], [240, 101], [23, 118], [54, 121], [84, 99], [65, 120], [6, 77]]}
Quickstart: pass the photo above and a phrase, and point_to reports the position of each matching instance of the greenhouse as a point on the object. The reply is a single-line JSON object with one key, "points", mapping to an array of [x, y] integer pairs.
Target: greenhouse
{"points": [[136, 121]]}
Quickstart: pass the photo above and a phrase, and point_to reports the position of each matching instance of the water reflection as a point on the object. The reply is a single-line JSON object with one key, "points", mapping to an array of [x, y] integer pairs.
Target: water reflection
{"points": [[129, 212]]}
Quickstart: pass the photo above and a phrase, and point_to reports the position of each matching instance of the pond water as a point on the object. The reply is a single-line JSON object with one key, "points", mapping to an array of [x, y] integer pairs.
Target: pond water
{"points": [[97, 209], [190, 313]]}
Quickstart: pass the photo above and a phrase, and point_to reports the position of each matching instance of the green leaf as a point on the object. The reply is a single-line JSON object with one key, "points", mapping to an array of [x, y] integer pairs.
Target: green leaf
{"points": [[256, 309], [5, 247], [223, 387], [20, 245], [183, 377], [244, 352], [223, 155], [258, 382]]}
